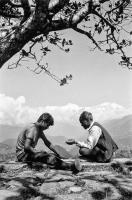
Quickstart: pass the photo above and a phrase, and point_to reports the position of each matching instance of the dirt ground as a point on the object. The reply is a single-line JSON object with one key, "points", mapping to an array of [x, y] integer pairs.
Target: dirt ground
{"points": [[110, 181]]}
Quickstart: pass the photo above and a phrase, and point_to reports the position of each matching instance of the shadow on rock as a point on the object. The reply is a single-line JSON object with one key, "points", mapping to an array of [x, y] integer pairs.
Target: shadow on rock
{"points": [[24, 188], [122, 184], [105, 194]]}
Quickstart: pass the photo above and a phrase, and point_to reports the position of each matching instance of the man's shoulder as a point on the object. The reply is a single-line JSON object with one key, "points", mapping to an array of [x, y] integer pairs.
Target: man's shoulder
{"points": [[30, 128], [30, 125], [96, 126]]}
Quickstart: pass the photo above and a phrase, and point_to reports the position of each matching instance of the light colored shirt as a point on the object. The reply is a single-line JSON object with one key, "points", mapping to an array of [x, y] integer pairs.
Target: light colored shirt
{"points": [[94, 133]]}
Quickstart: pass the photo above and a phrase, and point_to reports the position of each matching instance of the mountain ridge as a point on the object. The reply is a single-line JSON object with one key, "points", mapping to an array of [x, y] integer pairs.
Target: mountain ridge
{"points": [[119, 129]]}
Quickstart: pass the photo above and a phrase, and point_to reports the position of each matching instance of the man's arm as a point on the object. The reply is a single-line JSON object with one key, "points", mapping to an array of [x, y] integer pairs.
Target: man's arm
{"points": [[92, 139], [29, 140], [28, 146], [49, 144]]}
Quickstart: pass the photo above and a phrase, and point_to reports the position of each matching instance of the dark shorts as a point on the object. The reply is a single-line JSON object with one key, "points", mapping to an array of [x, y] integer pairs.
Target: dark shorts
{"points": [[42, 157], [96, 154]]}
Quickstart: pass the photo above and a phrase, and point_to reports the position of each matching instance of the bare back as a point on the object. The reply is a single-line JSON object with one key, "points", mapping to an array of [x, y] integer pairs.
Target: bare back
{"points": [[30, 132]]}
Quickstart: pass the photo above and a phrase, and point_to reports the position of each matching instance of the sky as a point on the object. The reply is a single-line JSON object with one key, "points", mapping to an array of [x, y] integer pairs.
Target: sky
{"points": [[99, 85]]}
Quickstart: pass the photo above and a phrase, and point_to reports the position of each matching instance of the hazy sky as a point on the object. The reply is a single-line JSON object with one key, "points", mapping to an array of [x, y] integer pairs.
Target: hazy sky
{"points": [[97, 79]]}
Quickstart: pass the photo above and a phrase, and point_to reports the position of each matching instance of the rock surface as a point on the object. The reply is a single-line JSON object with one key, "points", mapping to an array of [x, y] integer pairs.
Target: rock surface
{"points": [[97, 181]]}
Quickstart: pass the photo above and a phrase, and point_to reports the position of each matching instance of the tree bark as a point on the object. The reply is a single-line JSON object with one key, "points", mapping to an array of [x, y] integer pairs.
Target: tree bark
{"points": [[15, 41], [42, 21], [35, 25]]}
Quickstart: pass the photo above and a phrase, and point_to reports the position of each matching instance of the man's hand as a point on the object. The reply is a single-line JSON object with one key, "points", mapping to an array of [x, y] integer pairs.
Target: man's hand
{"points": [[71, 142], [83, 144], [53, 148], [79, 144]]}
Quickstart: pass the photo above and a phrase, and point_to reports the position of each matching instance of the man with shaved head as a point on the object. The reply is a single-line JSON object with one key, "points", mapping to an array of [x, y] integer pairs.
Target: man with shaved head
{"points": [[99, 145]]}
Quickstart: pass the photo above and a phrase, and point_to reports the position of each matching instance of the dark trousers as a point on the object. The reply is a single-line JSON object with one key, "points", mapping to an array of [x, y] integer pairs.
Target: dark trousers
{"points": [[95, 154], [47, 158]]}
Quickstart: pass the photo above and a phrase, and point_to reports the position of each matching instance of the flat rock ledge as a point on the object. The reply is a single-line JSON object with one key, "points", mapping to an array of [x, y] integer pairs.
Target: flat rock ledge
{"points": [[97, 181]]}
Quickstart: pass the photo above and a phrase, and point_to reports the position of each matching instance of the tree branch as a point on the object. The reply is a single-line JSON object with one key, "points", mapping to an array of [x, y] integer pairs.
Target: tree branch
{"points": [[65, 22], [54, 15], [105, 20], [81, 14], [14, 41], [120, 5], [88, 35], [27, 10], [5, 14], [56, 5]]}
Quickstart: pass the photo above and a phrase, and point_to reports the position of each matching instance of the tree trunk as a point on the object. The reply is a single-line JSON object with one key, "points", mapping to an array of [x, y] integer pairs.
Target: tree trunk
{"points": [[14, 42]]}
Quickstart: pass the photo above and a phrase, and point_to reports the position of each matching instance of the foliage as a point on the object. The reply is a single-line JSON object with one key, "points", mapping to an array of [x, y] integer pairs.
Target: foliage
{"points": [[27, 25]]}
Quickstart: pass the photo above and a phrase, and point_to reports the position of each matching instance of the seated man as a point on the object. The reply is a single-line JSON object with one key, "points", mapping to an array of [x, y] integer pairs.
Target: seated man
{"points": [[99, 146], [27, 140]]}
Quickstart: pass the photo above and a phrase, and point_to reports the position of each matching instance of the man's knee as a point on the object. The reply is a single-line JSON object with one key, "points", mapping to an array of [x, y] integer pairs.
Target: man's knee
{"points": [[40, 157], [84, 151]]}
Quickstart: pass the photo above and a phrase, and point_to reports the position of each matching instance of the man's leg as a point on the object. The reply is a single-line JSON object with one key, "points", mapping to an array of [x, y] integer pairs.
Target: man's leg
{"points": [[36, 157], [95, 154], [54, 162], [99, 155], [86, 153]]}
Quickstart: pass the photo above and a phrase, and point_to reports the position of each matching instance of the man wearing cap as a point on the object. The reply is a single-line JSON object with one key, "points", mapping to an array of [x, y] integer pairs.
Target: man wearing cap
{"points": [[28, 139]]}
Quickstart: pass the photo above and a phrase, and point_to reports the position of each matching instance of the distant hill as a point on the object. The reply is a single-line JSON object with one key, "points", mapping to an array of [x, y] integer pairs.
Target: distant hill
{"points": [[4, 147], [10, 142], [120, 127], [66, 129], [121, 130], [57, 134], [59, 129], [74, 151], [7, 132], [62, 152], [56, 140]]}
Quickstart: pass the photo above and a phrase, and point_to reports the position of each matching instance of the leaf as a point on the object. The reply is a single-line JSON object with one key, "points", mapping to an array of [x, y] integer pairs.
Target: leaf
{"points": [[46, 48], [24, 53], [63, 81], [67, 50], [63, 42]]}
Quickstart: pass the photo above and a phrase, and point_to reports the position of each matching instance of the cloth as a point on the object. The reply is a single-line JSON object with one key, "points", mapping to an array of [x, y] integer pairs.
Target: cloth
{"points": [[50, 159], [94, 133], [94, 155], [106, 143], [103, 146], [43, 157]]}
